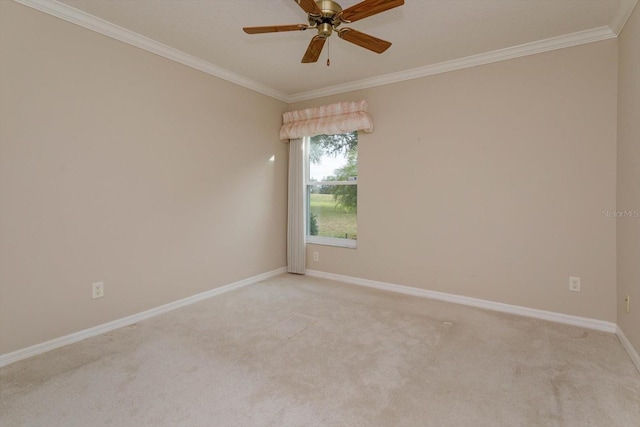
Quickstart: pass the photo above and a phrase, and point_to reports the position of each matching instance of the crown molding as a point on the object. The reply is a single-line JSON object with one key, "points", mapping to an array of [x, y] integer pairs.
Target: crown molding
{"points": [[624, 12], [568, 40], [90, 22], [83, 19]]}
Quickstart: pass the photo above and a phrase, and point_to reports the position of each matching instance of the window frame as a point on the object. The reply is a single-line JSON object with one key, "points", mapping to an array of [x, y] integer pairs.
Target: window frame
{"points": [[321, 240]]}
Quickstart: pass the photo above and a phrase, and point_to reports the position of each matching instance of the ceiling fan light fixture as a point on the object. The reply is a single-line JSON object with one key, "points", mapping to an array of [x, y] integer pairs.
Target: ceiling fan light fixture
{"points": [[325, 29]]}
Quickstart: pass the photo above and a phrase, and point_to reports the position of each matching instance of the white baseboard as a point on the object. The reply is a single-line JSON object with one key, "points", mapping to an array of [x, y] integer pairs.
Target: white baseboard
{"points": [[34, 350], [584, 322], [599, 325], [635, 357]]}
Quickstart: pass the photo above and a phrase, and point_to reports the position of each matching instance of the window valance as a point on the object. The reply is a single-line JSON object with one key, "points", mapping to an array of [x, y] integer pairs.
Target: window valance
{"points": [[329, 119]]}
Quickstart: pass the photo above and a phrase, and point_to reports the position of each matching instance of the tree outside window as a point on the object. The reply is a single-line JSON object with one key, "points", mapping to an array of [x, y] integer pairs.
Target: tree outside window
{"points": [[332, 189]]}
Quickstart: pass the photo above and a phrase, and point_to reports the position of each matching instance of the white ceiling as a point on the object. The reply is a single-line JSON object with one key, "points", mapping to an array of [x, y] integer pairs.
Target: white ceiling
{"points": [[424, 33]]}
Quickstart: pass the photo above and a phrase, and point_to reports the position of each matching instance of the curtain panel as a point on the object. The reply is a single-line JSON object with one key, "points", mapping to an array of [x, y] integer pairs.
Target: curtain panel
{"points": [[296, 221], [330, 119]]}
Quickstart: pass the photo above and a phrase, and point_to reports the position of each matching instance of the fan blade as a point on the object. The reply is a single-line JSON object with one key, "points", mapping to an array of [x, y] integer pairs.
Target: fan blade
{"points": [[313, 51], [275, 28], [367, 8], [309, 6], [364, 40]]}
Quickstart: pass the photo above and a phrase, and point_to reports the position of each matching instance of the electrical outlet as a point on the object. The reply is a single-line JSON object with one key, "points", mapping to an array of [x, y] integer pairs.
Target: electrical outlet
{"points": [[574, 284], [627, 301], [315, 256], [97, 290]]}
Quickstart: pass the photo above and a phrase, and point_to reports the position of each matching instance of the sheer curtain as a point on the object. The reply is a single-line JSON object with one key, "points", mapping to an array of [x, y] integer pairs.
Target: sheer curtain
{"points": [[330, 119]]}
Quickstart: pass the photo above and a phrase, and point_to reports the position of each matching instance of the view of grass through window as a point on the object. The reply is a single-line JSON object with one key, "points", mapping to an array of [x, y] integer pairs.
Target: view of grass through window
{"points": [[332, 186]]}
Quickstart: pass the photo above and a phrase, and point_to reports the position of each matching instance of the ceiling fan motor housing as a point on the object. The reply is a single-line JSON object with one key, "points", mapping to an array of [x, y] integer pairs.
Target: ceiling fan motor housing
{"points": [[329, 8], [328, 20]]}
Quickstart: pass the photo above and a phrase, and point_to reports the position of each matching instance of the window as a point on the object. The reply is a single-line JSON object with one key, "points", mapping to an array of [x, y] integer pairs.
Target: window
{"points": [[332, 189]]}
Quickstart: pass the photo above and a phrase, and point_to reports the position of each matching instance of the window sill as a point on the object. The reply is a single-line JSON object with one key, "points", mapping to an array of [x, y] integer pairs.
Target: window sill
{"points": [[333, 241]]}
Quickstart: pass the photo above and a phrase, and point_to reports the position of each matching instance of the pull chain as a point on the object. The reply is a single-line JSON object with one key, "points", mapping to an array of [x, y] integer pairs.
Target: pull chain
{"points": [[328, 52]]}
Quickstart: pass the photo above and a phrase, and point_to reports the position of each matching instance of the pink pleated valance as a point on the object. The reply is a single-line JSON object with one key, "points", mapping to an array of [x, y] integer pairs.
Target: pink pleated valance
{"points": [[330, 119]]}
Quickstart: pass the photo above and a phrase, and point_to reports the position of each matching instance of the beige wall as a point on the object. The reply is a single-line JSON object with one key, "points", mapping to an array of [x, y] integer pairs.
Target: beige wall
{"points": [[490, 182], [120, 166], [629, 178]]}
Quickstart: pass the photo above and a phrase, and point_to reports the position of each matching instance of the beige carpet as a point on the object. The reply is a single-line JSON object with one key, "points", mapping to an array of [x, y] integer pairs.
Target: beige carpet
{"points": [[298, 351]]}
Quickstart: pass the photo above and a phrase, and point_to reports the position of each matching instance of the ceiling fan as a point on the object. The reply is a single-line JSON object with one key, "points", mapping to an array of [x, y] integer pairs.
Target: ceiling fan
{"points": [[326, 16]]}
